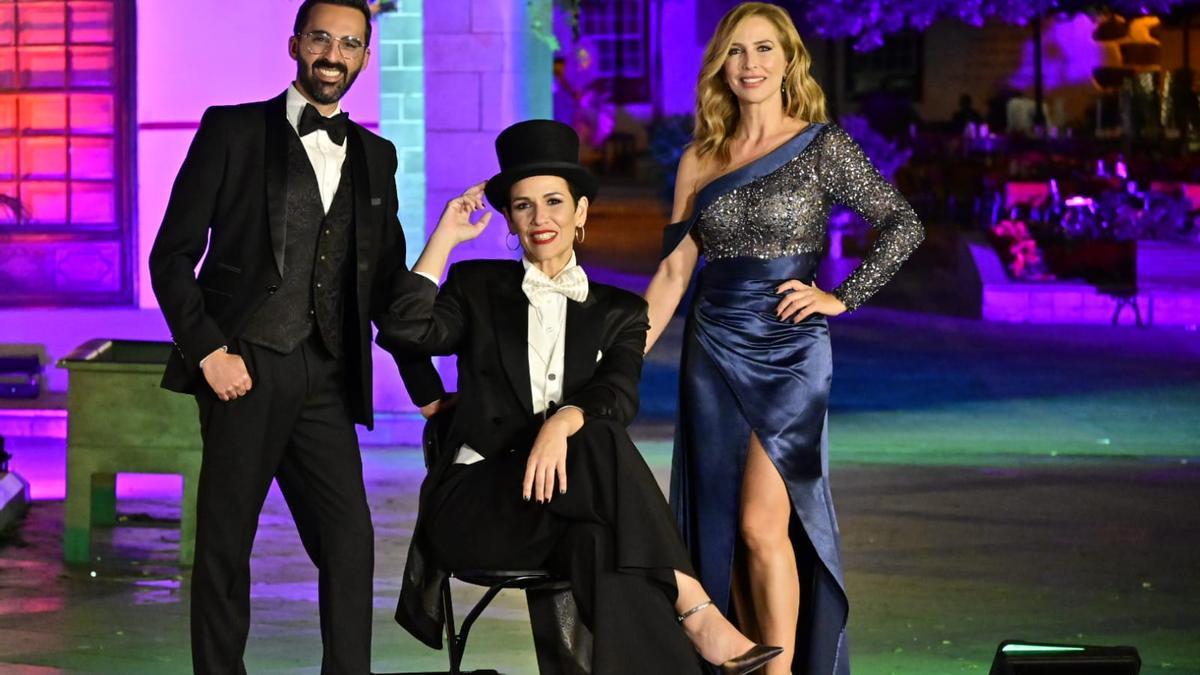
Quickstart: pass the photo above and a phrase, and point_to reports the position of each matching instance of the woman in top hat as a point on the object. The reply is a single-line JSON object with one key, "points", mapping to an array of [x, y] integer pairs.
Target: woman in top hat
{"points": [[544, 473]]}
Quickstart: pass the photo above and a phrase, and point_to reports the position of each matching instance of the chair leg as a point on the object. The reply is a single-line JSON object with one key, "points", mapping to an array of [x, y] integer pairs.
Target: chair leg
{"points": [[572, 659], [456, 640], [454, 647], [469, 619]]}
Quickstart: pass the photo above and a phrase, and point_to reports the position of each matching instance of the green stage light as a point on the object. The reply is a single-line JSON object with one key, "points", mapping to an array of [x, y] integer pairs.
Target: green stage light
{"points": [[1017, 648], [1018, 657]]}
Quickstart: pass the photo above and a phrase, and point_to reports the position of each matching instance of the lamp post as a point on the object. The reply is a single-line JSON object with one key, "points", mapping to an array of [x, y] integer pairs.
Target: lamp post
{"points": [[1039, 115]]}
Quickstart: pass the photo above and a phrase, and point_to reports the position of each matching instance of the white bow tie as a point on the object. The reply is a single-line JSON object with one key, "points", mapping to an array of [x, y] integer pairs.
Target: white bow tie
{"points": [[571, 283]]}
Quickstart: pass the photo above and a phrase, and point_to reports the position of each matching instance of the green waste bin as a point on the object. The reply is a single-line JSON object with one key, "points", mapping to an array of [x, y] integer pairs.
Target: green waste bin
{"points": [[120, 421]]}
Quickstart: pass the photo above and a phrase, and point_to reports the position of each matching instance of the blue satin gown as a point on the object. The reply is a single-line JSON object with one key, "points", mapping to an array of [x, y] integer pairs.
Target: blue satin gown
{"points": [[745, 370]]}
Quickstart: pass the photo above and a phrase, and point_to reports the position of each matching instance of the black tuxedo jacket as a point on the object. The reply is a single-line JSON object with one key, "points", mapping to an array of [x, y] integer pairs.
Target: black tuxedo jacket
{"points": [[481, 314], [228, 205]]}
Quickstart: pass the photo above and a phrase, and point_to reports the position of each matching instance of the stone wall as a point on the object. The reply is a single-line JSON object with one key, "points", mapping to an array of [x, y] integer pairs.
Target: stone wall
{"points": [[402, 111], [484, 70]]}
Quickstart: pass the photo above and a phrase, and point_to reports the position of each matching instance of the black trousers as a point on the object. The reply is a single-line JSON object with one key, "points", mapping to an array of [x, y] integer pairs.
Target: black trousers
{"points": [[293, 426], [612, 534]]}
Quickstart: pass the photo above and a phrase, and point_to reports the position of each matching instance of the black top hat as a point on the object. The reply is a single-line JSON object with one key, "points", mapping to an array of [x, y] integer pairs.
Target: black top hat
{"points": [[538, 148]]}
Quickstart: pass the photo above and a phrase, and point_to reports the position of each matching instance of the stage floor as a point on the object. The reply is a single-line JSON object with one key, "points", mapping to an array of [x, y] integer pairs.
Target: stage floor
{"points": [[992, 481]]}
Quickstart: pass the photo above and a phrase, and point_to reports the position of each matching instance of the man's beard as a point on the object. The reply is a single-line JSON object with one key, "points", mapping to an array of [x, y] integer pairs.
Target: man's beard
{"points": [[324, 92]]}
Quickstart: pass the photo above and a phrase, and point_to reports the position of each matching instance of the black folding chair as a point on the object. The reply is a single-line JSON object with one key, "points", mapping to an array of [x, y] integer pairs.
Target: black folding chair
{"points": [[562, 642]]}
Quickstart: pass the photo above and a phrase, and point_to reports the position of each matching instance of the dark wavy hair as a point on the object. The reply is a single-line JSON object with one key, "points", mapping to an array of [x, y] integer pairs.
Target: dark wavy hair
{"points": [[307, 5]]}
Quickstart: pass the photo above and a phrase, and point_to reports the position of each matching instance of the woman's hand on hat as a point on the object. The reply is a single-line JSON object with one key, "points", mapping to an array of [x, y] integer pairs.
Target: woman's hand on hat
{"points": [[455, 225], [453, 228]]}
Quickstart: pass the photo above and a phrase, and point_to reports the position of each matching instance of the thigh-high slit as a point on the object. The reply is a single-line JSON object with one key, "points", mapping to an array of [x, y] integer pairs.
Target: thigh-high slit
{"points": [[744, 371]]}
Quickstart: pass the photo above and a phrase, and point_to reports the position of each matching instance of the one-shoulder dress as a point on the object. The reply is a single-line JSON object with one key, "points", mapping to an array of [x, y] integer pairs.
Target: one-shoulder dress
{"points": [[743, 369]]}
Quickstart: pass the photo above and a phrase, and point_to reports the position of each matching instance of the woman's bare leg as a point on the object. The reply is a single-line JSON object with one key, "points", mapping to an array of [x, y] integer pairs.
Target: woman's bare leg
{"points": [[770, 558], [743, 606], [713, 636]]}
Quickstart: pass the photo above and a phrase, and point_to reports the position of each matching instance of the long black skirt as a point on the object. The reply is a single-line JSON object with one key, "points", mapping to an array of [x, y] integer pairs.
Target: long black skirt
{"points": [[611, 534]]}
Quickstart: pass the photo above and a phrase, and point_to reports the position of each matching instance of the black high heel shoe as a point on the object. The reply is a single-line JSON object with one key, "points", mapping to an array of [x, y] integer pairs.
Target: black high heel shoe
{"points": [[754, 658]]}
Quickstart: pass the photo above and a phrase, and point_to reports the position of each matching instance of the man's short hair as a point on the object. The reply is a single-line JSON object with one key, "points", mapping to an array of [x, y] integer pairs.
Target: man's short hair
{"points": [[307, 5]]}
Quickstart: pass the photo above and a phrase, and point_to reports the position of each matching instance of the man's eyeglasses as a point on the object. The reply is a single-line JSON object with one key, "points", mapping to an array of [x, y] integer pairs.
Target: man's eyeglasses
{"points": [[319, 42]]}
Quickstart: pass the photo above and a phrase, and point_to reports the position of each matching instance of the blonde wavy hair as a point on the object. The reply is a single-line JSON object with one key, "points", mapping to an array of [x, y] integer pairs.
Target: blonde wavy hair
{"points": [[716, 105]]}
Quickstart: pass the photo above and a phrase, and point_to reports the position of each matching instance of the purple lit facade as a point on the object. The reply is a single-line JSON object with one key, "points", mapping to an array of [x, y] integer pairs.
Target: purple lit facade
{"points": [[96, 166], [99, 100]]}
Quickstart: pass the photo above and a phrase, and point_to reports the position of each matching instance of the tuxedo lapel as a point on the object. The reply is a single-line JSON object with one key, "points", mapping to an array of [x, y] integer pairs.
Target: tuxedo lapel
{"points": [[360, 176], [585, 330], [510, 318], [276, 161], [356, 161]]}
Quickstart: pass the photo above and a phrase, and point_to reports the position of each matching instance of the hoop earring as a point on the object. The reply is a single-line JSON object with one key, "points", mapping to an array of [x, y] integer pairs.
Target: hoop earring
{"points": [[516, 238], [580, 234]]}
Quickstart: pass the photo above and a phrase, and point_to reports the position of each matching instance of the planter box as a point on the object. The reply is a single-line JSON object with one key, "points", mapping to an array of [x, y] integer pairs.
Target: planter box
{"points": [[1168, 263], [120, 421], [1101, 263], [1150, 304]]}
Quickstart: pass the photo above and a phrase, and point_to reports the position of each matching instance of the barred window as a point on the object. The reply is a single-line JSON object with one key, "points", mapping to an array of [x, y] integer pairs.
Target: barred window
{"points": [[66, 235], [618, 34]]}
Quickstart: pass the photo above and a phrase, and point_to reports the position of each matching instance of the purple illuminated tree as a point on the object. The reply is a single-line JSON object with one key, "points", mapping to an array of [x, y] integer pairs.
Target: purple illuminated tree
{"points": [[868, 22]]}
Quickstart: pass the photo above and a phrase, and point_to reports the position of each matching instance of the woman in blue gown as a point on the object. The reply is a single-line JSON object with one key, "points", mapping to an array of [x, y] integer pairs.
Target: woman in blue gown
{"points": [[750, 484]]}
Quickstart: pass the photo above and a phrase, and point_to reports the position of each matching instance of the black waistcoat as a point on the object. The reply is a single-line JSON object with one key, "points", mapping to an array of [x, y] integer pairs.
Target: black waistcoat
{"points": [[312, 293]]}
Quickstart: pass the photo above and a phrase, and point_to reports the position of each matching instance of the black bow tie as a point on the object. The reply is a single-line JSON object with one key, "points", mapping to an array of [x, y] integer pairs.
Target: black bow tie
{"points": [[311, 120]]}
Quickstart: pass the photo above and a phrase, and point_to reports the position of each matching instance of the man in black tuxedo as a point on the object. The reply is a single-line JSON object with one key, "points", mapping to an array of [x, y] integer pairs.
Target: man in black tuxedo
{"points": [[293, 208]]}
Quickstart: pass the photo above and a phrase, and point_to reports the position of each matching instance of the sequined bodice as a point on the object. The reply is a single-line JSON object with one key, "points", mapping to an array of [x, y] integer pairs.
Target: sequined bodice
{"points": [[780, 214], [786, 212]]}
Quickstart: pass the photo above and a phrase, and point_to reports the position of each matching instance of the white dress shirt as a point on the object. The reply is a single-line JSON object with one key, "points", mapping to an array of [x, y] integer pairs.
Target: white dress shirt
{"points": [[325, 156], [547, 341], [547, 336]]}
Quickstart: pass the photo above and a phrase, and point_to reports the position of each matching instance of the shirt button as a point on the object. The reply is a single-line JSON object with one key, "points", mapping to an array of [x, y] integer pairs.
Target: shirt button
{"points": [[326, 231], [552, 377], [322, 257]]}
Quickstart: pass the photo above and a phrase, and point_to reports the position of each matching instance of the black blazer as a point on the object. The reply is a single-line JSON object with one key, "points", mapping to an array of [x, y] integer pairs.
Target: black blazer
{"points": [[229, 199], [480, 314]]}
